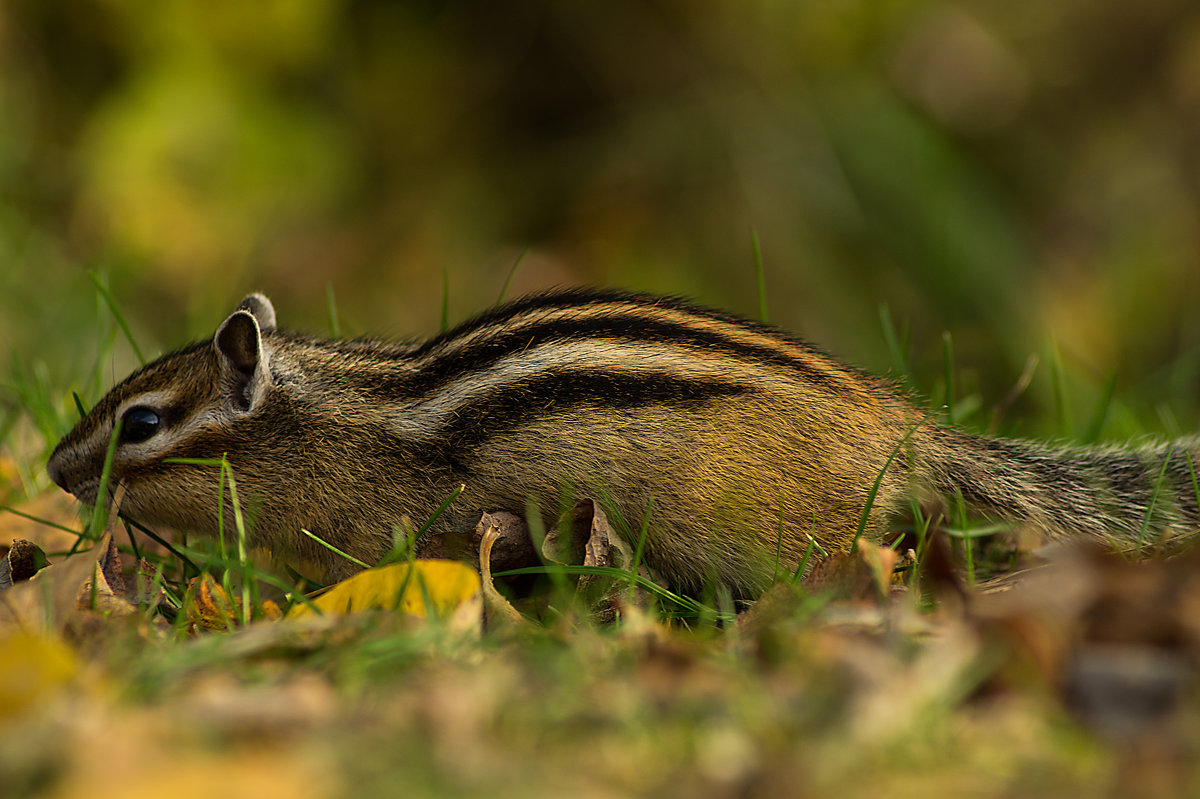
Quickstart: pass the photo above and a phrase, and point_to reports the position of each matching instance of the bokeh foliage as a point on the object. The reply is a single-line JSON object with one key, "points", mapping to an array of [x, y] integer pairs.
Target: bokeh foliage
{"points": [[1022, 174]]}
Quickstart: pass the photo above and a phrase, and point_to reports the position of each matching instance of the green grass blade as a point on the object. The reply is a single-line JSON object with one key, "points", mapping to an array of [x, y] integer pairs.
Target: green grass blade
{"points": [[895, 348], [1096, 426], [177, 552], [440, 509], [866, 513], [99, 518], [334, 549], [44, 522], [445, 299], [802, 566], [403, 546], [116, 312], [644, 583], [334, 327], [760, 276], [1154, 495], [948, 376], [512, 270]]}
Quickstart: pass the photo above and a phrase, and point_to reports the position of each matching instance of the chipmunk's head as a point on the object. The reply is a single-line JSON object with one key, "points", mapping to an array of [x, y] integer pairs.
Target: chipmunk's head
{"points": [[185, 405]]}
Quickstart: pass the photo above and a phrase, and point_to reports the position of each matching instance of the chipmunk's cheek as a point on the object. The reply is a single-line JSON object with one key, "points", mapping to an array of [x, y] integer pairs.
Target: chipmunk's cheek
{"points": [[156, 499], [147, 507]]}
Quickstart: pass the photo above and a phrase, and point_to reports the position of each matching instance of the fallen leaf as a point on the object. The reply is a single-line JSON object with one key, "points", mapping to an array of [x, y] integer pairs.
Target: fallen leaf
{"points": [[497, 610], [420, 588], [23, 560], [512, 548], [107, 580], [208, 606], [584, 537], [49, 600], [864, 574], [588, 541], [147, 591], [32, 668]]}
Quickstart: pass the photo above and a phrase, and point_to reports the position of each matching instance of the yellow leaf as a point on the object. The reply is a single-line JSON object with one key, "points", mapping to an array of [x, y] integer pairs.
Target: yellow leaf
{"points": [[413, 588], [32, 668]]}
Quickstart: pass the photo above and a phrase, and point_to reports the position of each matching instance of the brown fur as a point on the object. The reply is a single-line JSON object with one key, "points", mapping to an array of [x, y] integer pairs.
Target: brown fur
{"points": [[740, 444]]}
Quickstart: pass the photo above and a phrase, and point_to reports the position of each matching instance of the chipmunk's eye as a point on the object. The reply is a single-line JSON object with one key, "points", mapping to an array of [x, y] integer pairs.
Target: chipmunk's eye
{"points": [[138, 424]]}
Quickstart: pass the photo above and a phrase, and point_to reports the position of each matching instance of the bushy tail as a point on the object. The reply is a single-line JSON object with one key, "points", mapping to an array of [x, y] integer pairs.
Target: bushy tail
{"points": [[1138, 495]]}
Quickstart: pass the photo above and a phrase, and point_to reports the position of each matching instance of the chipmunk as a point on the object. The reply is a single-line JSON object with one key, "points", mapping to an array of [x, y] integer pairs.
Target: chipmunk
{"points": [[738, 444]]}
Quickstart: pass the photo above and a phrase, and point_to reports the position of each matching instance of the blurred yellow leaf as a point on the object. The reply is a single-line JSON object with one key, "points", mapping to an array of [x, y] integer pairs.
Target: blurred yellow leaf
{"points": [[414, 588], [162, 768], [32, 668]]}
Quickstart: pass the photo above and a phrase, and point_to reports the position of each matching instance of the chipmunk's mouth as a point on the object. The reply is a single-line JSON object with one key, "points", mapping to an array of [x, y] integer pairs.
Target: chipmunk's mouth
{"points": [[85, 492], [85, 489]]}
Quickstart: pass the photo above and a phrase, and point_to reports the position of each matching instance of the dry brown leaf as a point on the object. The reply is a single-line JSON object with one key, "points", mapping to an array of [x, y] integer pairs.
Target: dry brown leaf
{"points": [[497, 611], [584, 537], [511, 545], [512, 549], [147, 591], [23, 560], [105, 592], [270, 608], [864, 574], [49, 600], [208, 606], [109, 581]]}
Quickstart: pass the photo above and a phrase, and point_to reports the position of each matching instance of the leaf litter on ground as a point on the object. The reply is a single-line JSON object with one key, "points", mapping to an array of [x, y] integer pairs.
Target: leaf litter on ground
{"points": [[1080, 671]]}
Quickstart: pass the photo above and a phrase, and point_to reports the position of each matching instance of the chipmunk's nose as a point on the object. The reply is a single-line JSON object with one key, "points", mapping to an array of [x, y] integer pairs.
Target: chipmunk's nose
{"points": [[55, 469]]}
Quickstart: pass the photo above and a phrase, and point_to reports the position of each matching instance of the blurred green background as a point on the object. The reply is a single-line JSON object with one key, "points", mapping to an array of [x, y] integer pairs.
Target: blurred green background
{"points": [[1024, 175]]}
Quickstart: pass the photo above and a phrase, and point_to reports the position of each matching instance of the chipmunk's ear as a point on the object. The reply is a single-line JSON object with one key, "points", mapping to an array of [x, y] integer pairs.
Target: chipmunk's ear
{"points": [[261, 308], [244, 362]]}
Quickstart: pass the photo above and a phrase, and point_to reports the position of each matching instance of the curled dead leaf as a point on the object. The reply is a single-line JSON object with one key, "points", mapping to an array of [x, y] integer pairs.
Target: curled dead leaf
{"points": [[208, 605], [51, 598], [492, 528], [512, 548], [23, 560], [864, 574], [584, 537]]}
